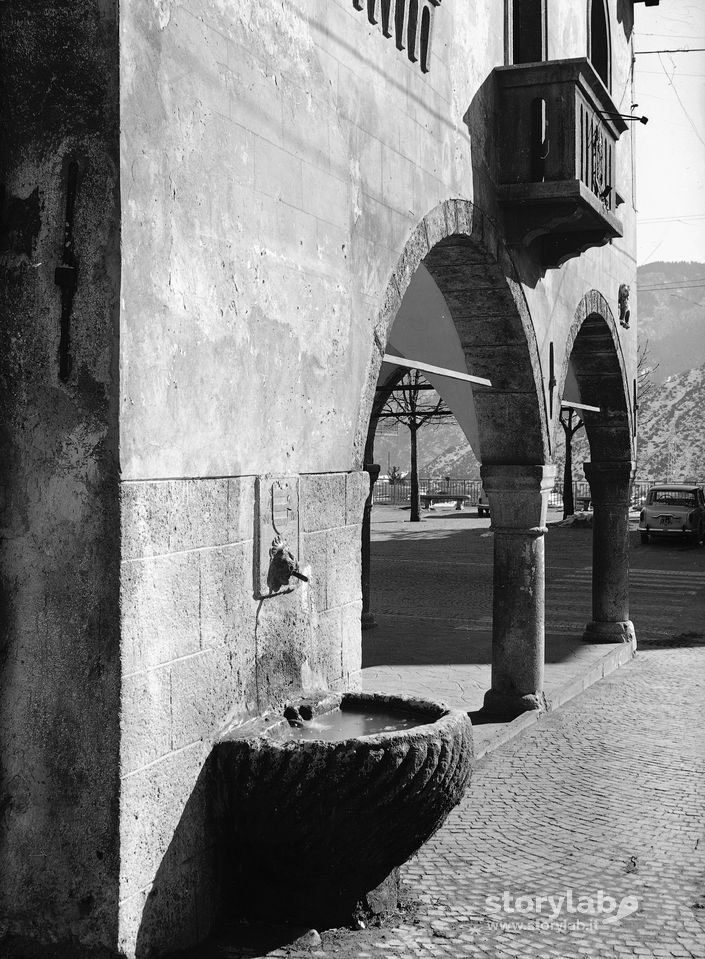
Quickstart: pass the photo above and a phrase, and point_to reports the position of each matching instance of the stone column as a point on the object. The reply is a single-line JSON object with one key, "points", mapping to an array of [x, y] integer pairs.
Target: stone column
{"points": [[518, 497], [367, 620], [610, 485]]}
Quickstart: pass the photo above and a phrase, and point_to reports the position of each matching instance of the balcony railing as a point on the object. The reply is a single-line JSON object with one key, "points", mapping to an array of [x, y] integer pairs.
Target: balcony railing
{"points": [[556, 158]]}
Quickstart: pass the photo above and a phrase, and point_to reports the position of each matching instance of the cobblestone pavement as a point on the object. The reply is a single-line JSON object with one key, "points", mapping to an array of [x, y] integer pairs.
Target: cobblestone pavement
{"points": [[602, 804], [603, 800]]}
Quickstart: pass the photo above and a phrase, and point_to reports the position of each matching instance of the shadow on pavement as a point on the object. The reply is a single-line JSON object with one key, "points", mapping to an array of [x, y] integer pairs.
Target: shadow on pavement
{"points": [[395, 641]]}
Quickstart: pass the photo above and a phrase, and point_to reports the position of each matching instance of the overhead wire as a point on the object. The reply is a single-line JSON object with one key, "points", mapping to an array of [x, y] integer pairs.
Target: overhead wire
{"points": [[682, 105]]}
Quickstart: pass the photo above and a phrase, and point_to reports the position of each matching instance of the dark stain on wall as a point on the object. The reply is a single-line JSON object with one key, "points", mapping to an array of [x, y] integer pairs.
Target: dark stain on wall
{"points": [[20, 223], [59, 520]]}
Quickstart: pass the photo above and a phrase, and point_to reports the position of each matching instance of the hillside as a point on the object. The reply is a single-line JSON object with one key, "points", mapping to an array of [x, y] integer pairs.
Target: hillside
{"points": [[443, 451], [671, 431], [671, 308]]}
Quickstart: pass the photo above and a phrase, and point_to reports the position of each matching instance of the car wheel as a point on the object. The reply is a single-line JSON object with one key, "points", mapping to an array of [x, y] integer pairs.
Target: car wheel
{"points": [[644, 539]]}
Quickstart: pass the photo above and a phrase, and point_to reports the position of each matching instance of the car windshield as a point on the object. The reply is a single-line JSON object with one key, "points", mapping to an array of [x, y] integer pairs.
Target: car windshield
{"points": [[672, 497]]}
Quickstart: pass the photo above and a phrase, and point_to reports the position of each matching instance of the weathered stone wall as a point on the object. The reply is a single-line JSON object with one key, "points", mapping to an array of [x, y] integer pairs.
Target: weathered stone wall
{"points": [[202, 644], [59, 560], [275, 160]]}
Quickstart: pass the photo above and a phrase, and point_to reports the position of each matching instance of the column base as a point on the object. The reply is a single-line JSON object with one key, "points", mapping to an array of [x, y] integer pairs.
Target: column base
{"points": [[620, 632], [503, 707], [367, 621]]}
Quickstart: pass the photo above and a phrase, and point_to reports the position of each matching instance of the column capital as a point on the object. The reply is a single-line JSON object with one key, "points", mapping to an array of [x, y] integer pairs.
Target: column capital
{"points": [[610, 481], [517, 477], [372, 469], [518, 496]]}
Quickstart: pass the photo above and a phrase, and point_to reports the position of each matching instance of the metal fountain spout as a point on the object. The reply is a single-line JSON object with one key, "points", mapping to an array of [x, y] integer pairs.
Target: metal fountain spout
{"points": [[282, 566]]}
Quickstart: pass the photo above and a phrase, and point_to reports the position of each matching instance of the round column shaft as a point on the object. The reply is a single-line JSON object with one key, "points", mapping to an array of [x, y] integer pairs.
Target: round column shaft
{"points": [[518, 497], [610, 485], [367, 619]]}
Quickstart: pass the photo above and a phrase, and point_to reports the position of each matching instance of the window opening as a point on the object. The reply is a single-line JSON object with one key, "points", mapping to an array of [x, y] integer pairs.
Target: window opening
{"points": [[528, 26], [599, 44]]}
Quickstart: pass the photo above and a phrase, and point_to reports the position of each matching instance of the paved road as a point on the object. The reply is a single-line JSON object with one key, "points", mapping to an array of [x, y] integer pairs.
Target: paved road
{"points": [[601, 804], [432, 595], [432, 586]]}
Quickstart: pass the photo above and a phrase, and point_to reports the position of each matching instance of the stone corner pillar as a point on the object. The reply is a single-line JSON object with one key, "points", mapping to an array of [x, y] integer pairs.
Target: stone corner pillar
{"points": [[610, 487], [518, 497], [367, 619]]}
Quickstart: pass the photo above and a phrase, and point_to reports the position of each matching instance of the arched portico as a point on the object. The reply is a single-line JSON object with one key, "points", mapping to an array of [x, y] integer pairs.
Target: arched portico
{"points": [[595, 357], [458, 246]]}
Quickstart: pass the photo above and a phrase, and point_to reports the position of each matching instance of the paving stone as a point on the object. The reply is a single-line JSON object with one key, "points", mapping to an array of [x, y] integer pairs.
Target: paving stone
{"points": [[604, 801]]}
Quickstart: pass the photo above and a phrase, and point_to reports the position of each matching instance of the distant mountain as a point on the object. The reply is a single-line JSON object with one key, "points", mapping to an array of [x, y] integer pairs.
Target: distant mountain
{"points": [[672, 429], [671, 310], [443, 451]]}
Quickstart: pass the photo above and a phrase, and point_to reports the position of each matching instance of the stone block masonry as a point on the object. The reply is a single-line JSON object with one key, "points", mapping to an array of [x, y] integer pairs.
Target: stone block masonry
{"points": [[201, 645]]}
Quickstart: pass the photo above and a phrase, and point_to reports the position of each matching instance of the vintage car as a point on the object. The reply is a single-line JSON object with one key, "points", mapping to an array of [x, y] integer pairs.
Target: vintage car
{"points": [[673, 509]]}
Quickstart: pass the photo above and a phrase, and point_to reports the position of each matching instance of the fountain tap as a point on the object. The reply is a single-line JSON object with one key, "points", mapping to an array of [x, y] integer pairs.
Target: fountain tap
{"points": [[282, 566], [291, 714]]}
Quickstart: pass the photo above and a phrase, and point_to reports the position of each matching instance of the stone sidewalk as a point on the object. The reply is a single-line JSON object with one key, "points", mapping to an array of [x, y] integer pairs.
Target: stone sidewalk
{"points": [[583, 837]]}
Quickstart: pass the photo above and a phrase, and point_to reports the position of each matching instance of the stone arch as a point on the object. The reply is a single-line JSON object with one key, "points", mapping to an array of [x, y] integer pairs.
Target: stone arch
{"points": [[460, 248], [594, 351]]}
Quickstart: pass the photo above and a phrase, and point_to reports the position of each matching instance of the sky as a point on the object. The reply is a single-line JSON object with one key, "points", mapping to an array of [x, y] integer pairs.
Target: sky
{"points": [[670, 159]]}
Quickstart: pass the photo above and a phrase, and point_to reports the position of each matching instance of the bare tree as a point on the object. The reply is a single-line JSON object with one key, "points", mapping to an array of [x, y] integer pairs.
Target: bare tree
{"points": [[413, 403], [644, 382], [570, 428]]}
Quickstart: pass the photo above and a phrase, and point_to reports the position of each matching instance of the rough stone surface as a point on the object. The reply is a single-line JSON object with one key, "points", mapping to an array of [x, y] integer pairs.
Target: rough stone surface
{"points": [[201, 645], [311, 826], [59, 526]]}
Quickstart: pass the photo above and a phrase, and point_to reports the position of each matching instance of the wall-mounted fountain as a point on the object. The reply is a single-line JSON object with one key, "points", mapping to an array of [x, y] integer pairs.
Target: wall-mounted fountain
{"points": [[317, 808]]}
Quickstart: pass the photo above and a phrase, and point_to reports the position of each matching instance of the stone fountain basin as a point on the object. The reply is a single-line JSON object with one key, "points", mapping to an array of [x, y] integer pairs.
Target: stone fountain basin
{"points": [[310, 826]]}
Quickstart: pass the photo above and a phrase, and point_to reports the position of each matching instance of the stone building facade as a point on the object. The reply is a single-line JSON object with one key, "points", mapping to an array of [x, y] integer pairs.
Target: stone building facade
{"points": [[213, 214]]}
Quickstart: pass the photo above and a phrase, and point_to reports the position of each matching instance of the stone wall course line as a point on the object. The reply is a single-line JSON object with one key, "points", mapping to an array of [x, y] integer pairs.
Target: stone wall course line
{"points": [[169, 662], [314, 562], [136, 560], [171, 516], [278, 172], [169, 756], [159, 602], [322, 501], [203, 694], [345, 566], [329, 201], [357, 488], [164, 812]]}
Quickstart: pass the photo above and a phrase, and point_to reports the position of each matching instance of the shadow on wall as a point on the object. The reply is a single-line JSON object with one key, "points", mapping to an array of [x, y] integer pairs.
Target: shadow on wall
{"points": [[625, 15], [198, 886], [481, 120], [185, 895]]}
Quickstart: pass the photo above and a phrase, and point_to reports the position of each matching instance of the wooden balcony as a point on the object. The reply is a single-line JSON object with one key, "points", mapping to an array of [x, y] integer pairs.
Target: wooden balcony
{"points": [[557, 139]]}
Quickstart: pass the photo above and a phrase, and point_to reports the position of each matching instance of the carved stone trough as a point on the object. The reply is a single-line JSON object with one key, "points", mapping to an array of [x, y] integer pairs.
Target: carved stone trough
{"points": [[310, 826]]}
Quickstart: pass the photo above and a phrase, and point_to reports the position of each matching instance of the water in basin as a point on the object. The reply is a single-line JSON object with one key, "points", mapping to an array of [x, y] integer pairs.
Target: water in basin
{"points": [[338, 724]]}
